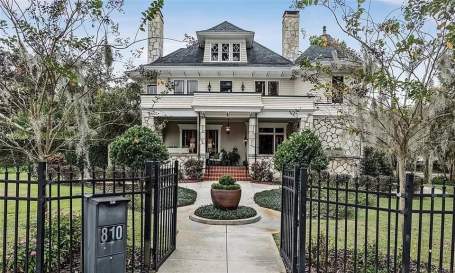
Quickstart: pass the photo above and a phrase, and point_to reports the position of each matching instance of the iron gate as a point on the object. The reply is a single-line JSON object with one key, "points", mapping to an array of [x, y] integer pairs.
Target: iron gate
{"points": [[42, 214]]}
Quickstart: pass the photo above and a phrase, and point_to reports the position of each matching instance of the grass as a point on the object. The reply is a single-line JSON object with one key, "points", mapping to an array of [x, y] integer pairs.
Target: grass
{"points": [[363, 223], [212, 212]]}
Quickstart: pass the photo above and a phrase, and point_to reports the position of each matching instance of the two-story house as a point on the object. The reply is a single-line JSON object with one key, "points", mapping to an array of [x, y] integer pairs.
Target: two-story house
{"points": [[229, 91]]}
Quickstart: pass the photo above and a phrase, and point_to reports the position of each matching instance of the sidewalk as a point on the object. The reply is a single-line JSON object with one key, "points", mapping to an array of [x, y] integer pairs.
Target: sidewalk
{"points": [[221, 249]]}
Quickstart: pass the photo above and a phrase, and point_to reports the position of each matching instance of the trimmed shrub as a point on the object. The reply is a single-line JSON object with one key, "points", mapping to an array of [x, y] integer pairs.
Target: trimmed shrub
{"points": [[212, 212], [441, 180], [193, 169], [137, 145], [375, 163], [226, 182], [302, 148], [260, 171]]}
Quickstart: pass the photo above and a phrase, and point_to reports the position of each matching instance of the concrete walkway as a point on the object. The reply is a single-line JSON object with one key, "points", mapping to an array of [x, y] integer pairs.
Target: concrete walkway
{"points": [[221, 249]]}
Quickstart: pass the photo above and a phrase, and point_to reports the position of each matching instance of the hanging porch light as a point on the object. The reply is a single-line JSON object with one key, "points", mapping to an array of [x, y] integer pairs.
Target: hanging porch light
{"points": [[228, 127]]}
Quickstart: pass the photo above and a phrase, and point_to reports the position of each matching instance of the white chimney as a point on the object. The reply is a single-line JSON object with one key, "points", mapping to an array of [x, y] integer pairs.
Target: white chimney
{"points": [[155, 38], [290, 34]]}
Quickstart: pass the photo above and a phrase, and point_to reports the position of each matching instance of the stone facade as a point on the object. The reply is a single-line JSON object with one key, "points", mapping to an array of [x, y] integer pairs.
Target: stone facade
{"points": [[290, 35], [155, 40]]}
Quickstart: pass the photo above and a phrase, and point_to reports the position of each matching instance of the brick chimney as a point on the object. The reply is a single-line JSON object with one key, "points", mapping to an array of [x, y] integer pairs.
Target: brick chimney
{"points": [[155, 35], [290, 34]]}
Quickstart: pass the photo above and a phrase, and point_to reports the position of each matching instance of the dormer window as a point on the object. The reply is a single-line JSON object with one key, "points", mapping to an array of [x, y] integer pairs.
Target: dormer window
{"points": [[225, 52], [236, 52], [215, 52]]}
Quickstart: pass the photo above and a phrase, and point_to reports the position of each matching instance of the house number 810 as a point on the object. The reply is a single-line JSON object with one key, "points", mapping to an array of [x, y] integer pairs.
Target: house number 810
{"points": [[111, 233]]}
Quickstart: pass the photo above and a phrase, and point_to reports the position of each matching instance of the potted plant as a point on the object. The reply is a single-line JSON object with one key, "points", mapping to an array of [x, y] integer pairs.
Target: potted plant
{"points": [[226, 193]]}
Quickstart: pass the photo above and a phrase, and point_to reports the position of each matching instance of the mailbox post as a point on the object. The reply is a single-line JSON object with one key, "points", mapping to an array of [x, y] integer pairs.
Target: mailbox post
{"points": [[105, 224]]}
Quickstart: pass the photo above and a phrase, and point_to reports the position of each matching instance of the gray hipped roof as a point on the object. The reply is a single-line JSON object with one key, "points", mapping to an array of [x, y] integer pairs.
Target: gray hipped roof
{"points": [[258, 55], [225, 27]]}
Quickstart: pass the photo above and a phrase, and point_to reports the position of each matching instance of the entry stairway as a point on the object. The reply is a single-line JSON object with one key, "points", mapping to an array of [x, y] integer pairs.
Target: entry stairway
{"points": [[239, 173]]}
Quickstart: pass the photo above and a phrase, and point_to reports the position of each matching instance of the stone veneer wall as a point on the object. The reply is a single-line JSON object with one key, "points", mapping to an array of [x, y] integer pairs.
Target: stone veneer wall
{"points": [[333, 136]]}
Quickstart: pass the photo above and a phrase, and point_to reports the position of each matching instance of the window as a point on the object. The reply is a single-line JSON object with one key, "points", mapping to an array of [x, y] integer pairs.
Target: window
{"points": [[179, 86], [225, 52], [215, 52], [273, 88], [269, 139], [225, 86], [235, 52], [260, 87], [189, 140], [337, 89], [191, 86], [151, 89]]}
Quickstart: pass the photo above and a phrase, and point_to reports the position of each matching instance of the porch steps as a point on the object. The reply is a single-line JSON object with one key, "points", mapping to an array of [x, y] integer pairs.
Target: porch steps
{"points": [[239, 173]]}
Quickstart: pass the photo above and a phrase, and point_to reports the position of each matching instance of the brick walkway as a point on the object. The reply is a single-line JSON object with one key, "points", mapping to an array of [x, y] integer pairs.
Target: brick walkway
{"points": [[220, 249]]}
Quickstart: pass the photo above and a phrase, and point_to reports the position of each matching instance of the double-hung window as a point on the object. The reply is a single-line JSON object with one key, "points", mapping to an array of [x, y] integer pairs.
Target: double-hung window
{"points": [[189, 140], [214, 51], [270, 139], [151, 89], [337, 89], [235, 52], [179, 86], [225, 52], [273, 88], [192, 86], [260, 87]]}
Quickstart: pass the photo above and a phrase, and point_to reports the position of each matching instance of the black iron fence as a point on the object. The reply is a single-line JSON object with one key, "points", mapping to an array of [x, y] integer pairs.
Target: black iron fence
{"points": [[341, 224], [42, 215]]}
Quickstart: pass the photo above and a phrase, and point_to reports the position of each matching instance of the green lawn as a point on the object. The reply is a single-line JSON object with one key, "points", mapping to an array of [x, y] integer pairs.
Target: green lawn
{"points": [[345, 229]]}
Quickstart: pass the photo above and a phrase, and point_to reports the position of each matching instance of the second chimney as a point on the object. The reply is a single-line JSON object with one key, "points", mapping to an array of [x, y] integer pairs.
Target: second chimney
{"points": [[155, 38], [290, 34]]}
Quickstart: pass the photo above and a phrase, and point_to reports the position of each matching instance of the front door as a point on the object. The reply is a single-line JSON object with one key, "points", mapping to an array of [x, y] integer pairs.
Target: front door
{"points": [[212, 142]]}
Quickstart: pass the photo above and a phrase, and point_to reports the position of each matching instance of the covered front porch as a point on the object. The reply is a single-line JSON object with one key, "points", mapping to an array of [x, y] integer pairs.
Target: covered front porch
{"points": [[210, 136]]}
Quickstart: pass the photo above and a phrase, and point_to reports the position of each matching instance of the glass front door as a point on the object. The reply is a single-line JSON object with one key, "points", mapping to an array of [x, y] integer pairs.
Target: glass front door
{"points": [[212, 142]]}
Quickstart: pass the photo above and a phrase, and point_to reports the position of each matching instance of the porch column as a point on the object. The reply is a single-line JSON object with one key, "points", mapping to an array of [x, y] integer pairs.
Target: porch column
{"points": [[306, 122], [252, 143], [202, 126], [148, 120]]}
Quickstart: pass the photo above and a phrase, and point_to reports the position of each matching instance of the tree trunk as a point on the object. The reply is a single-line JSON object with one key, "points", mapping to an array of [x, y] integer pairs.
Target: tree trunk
{"points": [[428, 168], [402, 176]]}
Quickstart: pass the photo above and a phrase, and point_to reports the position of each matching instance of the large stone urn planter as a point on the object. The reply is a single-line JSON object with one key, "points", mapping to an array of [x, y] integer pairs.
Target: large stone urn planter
{"points": [[226, 199]]}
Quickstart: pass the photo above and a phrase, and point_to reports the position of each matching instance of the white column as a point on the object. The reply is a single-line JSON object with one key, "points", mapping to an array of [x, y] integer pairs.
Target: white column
{"points": [[202, 136], [306, 122], [252, 142]]}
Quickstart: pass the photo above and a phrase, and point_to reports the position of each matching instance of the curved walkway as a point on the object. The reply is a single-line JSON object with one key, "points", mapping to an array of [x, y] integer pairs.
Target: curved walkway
{"points": [[223, 249]]}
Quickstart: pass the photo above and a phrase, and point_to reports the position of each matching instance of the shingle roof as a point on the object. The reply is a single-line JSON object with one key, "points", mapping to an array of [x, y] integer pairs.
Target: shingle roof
{"points": [[316, 52], [258, 55], [225, 27]]}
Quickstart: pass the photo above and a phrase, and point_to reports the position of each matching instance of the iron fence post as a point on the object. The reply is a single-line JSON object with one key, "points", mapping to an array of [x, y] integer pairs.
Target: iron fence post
{"points": [[301, 260], [175, 203], [156, 211], [41, 217], [148, 215], [407, 223], [296, 220]]}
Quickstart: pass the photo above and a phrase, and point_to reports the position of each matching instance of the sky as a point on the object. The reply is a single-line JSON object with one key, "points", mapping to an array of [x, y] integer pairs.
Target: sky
{"points": [[261, 16]]}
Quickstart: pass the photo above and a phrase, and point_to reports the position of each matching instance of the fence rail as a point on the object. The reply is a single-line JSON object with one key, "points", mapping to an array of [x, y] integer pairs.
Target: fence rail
{"points": [[42, 214], [343, 226]]}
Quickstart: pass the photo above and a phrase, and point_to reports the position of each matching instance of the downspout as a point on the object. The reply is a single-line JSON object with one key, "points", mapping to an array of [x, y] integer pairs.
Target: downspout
{"points": [[256, 135], [198, 135]]}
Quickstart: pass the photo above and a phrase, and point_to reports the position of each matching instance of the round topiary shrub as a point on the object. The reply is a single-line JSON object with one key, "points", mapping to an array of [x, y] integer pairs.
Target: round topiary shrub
{"points": [[137, 145], [301, 148], [212, 212]]}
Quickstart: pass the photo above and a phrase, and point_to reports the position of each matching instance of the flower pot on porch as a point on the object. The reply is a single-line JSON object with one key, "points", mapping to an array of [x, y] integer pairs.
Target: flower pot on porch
{"points": [[226, 199]]}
